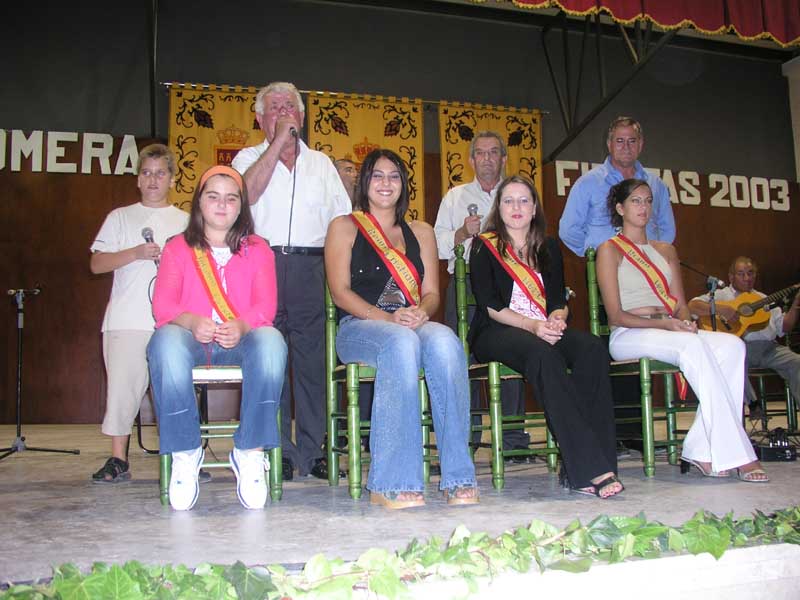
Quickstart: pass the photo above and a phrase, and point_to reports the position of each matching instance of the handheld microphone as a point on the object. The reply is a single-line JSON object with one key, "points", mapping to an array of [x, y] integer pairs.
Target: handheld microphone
{"points": [[472, 209], [35, 291], [147, 234], [293, 132]]}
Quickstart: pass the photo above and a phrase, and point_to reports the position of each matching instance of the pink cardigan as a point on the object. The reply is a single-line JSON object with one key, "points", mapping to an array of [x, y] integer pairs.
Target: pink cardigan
{"points": [[250, 276]]}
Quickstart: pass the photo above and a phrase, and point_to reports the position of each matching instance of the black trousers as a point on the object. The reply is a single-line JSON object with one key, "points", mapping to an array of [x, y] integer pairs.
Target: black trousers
{"points": [[512, 391], [301, 320], [578, 406]]}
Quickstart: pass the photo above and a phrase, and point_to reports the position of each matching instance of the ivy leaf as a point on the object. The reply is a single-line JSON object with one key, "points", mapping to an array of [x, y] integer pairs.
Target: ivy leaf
{"points": [[317, 568], [373, 559], [386, 583], [707, 538], [623, 548], [603, 532], [580, 565], [540, 529], [574, 525], [66, 571], [248, 584], [461, 533], [675, 541], [628, 524], [577, 542], [79, 588], [119, 585], [338, 588]]}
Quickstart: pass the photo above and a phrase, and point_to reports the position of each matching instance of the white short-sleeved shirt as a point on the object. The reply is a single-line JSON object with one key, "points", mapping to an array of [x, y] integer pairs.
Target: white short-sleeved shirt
{"points": [[319, 197], [452, 212], [129, 306]]}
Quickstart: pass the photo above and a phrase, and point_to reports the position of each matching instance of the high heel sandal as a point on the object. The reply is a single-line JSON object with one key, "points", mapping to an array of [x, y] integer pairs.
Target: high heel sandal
{"points": [[391, 500], [747, 476], [688, 463], [453, 499]]}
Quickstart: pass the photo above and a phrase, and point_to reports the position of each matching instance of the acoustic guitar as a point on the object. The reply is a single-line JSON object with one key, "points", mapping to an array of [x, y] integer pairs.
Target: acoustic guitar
{"points": [[748, 307]]}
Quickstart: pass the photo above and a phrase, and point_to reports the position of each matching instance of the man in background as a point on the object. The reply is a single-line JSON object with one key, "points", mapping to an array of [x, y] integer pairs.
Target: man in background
{"points": [[763, 351], [348, 173]]}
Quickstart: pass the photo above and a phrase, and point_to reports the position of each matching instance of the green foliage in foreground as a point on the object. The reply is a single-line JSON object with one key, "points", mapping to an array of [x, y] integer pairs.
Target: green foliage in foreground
{"points": [[468, 556]]}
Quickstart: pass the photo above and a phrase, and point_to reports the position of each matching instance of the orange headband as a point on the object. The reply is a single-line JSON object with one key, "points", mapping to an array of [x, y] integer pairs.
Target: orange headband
{"points": [[221, 170]]}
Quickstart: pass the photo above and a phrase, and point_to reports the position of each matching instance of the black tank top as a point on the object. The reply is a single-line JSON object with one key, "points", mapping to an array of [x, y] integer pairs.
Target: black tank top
{"points": [[369, 277]]}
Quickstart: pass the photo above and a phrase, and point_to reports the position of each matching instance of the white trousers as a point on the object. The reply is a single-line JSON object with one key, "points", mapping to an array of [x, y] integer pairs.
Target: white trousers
{"points": [[714, 365]]}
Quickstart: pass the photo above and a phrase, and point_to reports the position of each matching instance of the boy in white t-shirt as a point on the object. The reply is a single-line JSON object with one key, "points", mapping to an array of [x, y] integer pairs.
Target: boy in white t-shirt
{"points": [[129, 244]]}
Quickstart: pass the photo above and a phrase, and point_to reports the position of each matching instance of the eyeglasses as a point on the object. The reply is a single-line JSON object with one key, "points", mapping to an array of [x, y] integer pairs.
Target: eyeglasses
{"points": [[147, 173]]}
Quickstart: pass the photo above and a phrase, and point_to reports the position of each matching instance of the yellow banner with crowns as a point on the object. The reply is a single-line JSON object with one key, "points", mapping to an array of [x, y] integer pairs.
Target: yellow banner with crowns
{"points": [[351, 126], [208, 125], [520, 128]]}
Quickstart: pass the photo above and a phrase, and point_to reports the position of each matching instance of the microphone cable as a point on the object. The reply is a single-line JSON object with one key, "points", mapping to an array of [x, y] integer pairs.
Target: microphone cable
{"points": [[294, 184]]}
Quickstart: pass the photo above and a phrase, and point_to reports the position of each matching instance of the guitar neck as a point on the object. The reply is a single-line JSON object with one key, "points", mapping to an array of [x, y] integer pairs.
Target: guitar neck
{"points": [[779, 295]]}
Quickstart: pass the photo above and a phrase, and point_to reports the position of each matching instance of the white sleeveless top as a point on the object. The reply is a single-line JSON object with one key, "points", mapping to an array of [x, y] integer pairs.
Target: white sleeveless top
{"points": [[634, 291]]}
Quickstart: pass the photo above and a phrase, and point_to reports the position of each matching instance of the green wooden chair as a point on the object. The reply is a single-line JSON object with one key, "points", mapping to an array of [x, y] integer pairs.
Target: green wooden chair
{"points": [[764, 396], [493, 373], [202, 378], [645, 369], [345, 426]]}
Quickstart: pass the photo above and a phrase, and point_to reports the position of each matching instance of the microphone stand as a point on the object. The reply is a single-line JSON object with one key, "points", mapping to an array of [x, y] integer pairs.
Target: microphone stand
{"points": [[712, 284], [19, 442]]}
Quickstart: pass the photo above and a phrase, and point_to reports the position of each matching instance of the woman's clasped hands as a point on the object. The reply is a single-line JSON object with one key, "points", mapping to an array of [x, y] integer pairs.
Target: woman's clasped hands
{"points": [[550, 330], [411, 317]]}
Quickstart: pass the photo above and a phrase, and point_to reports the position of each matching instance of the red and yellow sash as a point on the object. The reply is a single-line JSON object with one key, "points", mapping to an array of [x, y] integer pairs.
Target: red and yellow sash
{"points": [[658, 283], [652, 274], [212, 284], [402, 269], [526, 278]]}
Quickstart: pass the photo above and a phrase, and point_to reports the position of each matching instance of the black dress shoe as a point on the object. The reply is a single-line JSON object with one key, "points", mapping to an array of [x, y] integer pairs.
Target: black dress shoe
{"points": [[320, 470], [287, 469]]}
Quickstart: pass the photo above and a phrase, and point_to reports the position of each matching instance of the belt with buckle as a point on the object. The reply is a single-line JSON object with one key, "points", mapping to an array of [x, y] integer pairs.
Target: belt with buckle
{"points": [[302, 250]]}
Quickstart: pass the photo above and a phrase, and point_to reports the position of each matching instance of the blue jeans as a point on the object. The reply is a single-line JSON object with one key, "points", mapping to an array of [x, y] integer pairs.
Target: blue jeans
{"points": [[395, 433], [171, 354]]}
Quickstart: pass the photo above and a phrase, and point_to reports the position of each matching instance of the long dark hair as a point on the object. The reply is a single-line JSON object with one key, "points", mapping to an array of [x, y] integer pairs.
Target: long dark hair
{"points": [[536, 257], [361, 201], [618, 194], [243, 226]]}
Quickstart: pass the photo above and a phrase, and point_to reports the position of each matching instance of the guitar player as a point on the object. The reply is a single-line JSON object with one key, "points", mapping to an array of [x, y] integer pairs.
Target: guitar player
{"points": [[762, 349]]}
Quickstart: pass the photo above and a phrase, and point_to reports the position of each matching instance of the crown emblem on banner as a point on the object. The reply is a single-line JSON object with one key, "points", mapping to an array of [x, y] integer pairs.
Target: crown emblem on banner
{"points": [[233, 136], [363, 148]]}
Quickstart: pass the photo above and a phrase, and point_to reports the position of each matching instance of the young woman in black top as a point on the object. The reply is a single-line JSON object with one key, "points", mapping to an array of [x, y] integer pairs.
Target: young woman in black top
{"points": [[518, 282]]}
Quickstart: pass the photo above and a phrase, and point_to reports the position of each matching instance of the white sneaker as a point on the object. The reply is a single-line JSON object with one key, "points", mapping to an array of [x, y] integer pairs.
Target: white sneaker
{"points": [[184, 487], [251, 484]]}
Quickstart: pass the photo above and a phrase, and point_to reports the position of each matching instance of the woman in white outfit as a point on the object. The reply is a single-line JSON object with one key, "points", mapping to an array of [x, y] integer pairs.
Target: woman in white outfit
{"points": [[643, 296]]}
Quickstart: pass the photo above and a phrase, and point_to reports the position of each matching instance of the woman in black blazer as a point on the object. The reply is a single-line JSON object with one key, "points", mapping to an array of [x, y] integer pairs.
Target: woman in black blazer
{"points": [[518, 282]]}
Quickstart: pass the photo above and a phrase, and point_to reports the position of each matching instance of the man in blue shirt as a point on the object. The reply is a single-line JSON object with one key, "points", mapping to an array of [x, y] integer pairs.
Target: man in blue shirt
{"points": [[585, 221]]}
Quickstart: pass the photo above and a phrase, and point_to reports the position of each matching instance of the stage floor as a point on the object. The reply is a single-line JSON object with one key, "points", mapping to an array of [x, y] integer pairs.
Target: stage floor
{"points": [[52, 513]]}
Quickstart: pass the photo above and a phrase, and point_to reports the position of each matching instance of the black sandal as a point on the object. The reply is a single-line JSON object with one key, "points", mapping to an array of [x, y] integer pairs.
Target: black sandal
{"points": [[593, 489], [610, 480], [114, 471]]}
